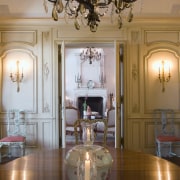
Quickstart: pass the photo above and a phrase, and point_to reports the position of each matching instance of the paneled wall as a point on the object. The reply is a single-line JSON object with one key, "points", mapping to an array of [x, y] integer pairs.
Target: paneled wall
{"points": [[149, 46], [32, 48], [36, 44]]}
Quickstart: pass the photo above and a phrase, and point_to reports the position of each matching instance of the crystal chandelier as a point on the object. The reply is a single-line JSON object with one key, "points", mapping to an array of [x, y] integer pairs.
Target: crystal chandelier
{"points": [[91, 54], [90, 11]]}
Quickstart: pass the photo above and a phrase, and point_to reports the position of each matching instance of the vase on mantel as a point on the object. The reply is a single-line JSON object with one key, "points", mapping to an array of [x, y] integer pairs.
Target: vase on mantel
{"points": [[88, 161]]}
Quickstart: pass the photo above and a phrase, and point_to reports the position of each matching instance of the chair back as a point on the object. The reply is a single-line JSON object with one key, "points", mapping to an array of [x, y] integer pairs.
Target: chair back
{"points": [[72, 114], [164, 122], [16, 123], [111, 117]]}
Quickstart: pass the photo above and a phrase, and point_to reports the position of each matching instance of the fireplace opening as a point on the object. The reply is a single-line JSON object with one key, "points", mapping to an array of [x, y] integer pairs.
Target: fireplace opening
{"points": [[95, 103]]}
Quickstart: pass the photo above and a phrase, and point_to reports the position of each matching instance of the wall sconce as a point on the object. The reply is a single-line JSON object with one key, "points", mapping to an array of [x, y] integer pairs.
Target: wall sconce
{"points": [[17, 77], [163, 75]]}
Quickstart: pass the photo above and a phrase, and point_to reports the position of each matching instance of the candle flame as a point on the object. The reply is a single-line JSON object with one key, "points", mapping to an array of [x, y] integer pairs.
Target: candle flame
{"points": [[87, 156]]}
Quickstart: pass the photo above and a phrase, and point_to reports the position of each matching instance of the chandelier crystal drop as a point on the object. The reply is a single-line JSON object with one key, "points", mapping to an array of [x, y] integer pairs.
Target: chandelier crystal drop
{"points": [[90, 11]]}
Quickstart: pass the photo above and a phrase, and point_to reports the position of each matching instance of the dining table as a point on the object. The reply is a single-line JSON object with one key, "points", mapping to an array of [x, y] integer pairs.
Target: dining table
{"points": [[127, 165]]}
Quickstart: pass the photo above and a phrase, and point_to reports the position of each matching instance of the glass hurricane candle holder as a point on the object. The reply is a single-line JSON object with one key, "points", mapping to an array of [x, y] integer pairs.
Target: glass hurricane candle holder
{"points": [[88, 133], [88, 163]]}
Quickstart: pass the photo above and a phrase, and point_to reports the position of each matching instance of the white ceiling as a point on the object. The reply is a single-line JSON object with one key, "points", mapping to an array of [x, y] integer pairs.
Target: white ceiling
{"points": [[35, 8]]}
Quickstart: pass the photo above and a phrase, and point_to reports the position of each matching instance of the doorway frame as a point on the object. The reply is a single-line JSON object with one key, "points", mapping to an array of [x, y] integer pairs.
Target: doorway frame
{"points": [[60, 102]]}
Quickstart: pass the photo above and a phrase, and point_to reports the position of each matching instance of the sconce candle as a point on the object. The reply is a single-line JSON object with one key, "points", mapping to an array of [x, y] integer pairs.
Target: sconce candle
{"points": [[102, 79], [78, 80], [17, 77], [163, 78]]}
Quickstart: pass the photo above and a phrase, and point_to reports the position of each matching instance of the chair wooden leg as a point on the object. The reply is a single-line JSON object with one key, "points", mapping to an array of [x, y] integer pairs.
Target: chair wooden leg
{"points": [[159, 149]]}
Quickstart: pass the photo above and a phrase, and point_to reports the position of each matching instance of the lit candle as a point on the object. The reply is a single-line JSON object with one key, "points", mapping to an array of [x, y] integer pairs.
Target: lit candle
{"points": [[88, 134], [87, 167]]}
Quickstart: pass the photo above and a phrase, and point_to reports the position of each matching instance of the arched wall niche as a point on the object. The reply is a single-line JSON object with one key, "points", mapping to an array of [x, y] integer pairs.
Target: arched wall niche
{"points": [[10, 98], [154, 96]]}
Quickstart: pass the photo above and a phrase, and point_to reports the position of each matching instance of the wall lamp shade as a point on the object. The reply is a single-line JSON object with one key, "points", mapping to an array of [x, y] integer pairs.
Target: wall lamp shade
{"points": [[164, 74], [89, 12], [17, 76]]}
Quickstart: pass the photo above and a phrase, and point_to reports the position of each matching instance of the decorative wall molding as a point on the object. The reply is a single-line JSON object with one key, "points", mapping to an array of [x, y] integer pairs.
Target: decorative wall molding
{"points": [[46, 108], [46, 70], [46, 73], [134, 71], [154, 97], [135, 36], [155, 36], [28, 84], [26, 37]]}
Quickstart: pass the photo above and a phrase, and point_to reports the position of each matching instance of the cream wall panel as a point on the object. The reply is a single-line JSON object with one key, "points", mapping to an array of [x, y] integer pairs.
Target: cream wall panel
{"points": [[103, 33], [154, 97], [161, 36], [134, 134], [149, 138], [35, 94], [3, 129], [143, 86], [10, 98], [26, 37], [32, 134], [46, 141]]}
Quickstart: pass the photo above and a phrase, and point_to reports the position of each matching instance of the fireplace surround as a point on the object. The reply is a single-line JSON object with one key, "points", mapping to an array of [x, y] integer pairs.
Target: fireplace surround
{"points": [[95, 103], [96, 99]]}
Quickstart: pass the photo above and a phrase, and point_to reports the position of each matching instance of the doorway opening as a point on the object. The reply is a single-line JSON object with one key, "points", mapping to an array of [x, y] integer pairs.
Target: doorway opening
{"points": [[70, 85]]}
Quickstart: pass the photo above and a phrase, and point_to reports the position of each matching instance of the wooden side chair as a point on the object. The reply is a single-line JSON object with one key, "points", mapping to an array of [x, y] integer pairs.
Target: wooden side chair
{"points": [[165, 136], [16, 132]]}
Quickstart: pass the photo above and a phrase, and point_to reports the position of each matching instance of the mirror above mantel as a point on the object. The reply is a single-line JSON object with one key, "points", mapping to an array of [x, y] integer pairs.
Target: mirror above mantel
{"points": [[90, 68]]}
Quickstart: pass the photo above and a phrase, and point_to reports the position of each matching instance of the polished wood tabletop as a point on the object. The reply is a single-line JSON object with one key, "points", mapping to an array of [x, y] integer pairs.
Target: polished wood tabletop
{"points": [[127, 165]]}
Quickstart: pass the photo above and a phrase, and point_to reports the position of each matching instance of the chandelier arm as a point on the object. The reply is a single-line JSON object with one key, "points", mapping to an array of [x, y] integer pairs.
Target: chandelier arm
{"points": [[92, 10]]}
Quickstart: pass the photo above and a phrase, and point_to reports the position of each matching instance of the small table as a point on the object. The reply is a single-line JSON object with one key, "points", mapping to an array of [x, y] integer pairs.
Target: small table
{"points": [[79, 121]]}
